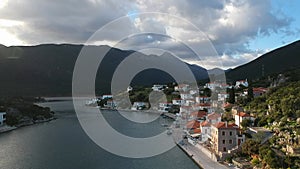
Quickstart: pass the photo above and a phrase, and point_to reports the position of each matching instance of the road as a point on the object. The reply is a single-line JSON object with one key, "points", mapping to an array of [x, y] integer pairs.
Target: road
{"points": [[198, 156]]}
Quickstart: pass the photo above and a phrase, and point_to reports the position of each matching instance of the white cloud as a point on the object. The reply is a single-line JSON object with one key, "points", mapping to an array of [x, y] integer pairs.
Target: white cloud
{"points": [[230, 24]]}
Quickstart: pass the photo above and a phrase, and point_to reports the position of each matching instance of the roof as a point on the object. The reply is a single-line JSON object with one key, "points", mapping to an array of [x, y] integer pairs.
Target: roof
{"points": [[193, 124], [214, 116], [199, 114], [225, 125], [202, 104], [205, 124], [243, 114], [177, 99], [197, 131], [227, 105], [260, 89]]}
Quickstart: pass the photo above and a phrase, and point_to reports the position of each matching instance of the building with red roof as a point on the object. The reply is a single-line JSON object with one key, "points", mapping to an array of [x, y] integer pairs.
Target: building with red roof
{"points": [[240, 116], [225, 138]]}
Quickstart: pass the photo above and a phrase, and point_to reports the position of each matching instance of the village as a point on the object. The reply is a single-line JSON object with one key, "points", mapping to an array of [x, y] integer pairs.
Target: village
{"points": [[212, 121]]}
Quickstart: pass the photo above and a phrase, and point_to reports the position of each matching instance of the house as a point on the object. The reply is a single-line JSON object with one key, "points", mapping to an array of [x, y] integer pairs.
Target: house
{"points": [[202, 99], [139, 105], [212, 85], [192, 125], [198, 115], [235, 110], [227, 106], [177, 102], [259, 91], [107, 96], [157, 87], [239, 117], [241, 83], [194, 91], [186, 109], [214, 118], [189, 102], [164, 107], [203, 106], [205, 127], [223, 96], [225, 138], [182, 87], [186, 95], [129, 89], [2, 118], [110, 104]]}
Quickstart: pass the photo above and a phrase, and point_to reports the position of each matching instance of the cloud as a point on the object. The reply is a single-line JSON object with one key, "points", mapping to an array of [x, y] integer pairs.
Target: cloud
{"points": [[229, 24]]}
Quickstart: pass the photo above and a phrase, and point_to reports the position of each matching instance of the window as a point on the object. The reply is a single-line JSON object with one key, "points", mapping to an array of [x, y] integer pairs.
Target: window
{"points": [[224, 149], [230, 141], [223, 133], [223, 141], [230, 133]]}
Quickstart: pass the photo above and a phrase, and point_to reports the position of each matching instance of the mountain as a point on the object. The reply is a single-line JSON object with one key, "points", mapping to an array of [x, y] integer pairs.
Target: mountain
{"points": [[46, 70], [276, 61]]}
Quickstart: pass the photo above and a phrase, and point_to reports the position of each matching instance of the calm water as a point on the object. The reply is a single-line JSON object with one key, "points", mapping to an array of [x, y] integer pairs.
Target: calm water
{"points": [[62, 144]]}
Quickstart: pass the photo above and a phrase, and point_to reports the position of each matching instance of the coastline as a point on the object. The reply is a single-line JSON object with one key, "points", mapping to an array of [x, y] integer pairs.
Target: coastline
{"points": [[5, 128]]}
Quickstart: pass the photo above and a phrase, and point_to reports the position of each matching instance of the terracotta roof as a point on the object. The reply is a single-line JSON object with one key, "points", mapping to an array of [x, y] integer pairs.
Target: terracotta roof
{"points": [[243, 114], [213, 116], [186, 107], [205, 124], [202, 104], [193, 124], [223, 125], [260, 89], [197, 131], [199, 114], [177, 99], [227, 105]]}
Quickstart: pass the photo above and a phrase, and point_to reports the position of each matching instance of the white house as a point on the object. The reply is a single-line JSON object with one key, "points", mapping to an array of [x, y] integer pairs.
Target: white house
{"points": [[185, 96], [139, 105], [212, 85], [214, 118], [242, 83], [2, 118], [110, 104], [182, 87], [164, 107], [129, 88], [157, 87], [240, 116], [223, 96], [202, 99], [205, 130], [177, 102], [107, 96]]}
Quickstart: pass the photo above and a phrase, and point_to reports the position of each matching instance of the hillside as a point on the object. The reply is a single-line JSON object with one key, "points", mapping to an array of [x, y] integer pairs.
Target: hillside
{"points": [[278, 60], [46, 70]]}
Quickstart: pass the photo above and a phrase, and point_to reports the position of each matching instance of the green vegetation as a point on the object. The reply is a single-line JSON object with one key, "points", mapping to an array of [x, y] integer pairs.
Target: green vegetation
{"points": [[22, 110], [280, 104]]}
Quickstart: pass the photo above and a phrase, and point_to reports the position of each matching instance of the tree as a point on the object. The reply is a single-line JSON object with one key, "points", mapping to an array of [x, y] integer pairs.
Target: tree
{"points": [[250, 147], [246, 123], [250, 93], [231, 98]]}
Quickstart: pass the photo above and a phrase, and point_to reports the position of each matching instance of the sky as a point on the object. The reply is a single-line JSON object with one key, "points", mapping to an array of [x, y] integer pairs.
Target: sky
{"points": [[229, 32]]}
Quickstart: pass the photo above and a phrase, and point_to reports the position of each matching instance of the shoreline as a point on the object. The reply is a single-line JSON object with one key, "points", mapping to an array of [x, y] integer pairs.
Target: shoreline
{"points": [[190, 156], [6, 128]]}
